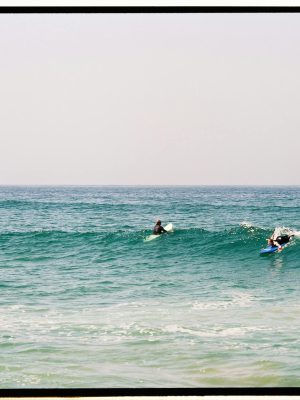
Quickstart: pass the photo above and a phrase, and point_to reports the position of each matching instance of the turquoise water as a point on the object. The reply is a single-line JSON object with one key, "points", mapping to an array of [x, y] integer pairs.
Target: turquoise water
{"points": [[86, 302]]}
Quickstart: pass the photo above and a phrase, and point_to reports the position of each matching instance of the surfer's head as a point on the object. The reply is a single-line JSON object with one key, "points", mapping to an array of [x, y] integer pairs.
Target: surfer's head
{"points": [[158, 222]]}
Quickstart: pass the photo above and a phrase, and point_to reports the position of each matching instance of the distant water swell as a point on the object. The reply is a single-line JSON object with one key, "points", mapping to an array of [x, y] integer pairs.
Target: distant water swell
{"points": [[237, 240]]}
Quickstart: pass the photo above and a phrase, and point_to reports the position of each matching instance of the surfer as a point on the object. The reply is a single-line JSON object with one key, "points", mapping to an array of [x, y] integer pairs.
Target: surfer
{"points": [[158, 229], [279, 240]]}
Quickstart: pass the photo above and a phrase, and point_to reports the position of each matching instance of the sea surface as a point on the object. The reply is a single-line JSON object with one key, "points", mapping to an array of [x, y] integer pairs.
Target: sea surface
{"points": [[87, 302]]}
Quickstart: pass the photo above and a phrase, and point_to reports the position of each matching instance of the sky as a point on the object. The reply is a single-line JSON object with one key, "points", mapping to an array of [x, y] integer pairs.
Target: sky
{"points": [[150, 99]]}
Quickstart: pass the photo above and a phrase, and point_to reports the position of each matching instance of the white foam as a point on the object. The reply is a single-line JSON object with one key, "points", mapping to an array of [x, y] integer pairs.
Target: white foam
{"points": [[246, 224], [283, 230], [215, 331], [238, 299]]}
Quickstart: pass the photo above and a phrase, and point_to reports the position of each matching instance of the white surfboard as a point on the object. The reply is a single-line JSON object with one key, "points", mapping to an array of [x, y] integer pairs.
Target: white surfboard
{"points": [[168, 228]]}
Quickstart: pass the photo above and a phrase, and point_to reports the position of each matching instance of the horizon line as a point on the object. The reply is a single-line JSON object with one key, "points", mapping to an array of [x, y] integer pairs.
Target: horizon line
{"points": [[145, 185]]}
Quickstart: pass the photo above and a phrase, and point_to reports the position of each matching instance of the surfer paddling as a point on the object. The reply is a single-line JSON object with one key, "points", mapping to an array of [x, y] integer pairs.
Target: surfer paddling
{"points": [[279, 240], [158, 229]]}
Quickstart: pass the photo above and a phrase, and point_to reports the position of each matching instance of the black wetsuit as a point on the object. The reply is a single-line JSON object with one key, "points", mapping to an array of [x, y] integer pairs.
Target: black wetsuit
{"points": [[283, 239], [158, 229]]}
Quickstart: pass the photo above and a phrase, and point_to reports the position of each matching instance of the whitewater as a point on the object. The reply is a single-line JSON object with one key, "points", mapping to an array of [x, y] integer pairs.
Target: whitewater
{"points": [[87, 302]]}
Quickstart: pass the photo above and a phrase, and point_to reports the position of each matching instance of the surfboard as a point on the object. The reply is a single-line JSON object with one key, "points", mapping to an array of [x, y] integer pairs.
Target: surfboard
{"points": [[271, 249], [169, 228]]}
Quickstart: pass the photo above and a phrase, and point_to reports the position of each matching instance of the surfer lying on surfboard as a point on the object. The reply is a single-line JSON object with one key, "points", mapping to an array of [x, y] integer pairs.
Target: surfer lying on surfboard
{"points": [[158, 229], [279, 240]]}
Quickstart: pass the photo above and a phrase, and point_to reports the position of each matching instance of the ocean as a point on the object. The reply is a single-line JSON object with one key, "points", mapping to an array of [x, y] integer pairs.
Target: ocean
{"points": [[86, 302]]}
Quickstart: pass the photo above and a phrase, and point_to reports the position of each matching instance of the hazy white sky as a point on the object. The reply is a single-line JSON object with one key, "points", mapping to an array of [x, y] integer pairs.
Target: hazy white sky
{"points": [[150, 98]]}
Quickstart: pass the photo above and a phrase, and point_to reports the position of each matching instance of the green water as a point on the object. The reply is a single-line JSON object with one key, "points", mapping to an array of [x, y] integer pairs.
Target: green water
{"points": [[86, 302]]}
